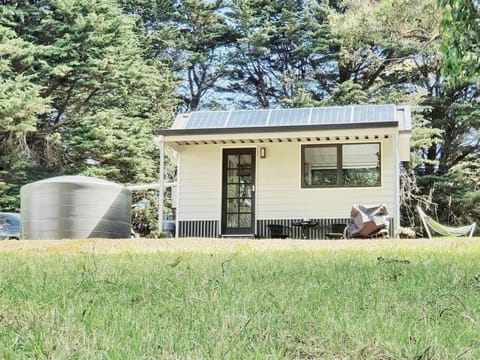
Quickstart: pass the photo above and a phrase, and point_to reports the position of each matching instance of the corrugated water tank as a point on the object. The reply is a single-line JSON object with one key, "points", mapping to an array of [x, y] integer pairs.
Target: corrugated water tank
{"points": [[75, 207]]}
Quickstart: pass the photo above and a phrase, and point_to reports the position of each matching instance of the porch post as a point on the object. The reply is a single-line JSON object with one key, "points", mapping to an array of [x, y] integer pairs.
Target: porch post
{"points": [[396, 193], [161, 176]]}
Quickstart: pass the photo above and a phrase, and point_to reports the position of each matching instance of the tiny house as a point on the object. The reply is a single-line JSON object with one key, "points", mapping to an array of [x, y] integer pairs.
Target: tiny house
{"points": [[240, 171]]}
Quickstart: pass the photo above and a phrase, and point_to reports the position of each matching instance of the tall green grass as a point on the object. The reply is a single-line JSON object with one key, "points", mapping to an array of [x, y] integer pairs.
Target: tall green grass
{"points": [[416, 304]]}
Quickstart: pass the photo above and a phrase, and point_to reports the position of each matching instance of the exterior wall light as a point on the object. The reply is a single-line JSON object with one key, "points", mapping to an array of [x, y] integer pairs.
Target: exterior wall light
{"points": [[263, 153]]}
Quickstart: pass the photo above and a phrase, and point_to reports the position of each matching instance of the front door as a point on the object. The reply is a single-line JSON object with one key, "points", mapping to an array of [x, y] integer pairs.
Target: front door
{"points": [[238, 192]]}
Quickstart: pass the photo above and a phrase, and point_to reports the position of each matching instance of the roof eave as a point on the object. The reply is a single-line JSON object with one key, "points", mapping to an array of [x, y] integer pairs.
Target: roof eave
{"points": [[269, 129]]}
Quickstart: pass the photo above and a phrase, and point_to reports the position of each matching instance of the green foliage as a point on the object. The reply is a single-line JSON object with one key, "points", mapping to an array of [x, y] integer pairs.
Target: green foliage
{"points": [[279, 47], [448, 167], [457, 192], [203, 39], [20, 101], [193, 36], [381, 43], [145, 213], [348, 93], [460, 40]]}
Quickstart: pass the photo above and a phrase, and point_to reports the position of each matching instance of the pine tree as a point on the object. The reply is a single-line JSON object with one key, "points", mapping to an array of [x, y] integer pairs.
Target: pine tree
{"points": [[97, 99]]}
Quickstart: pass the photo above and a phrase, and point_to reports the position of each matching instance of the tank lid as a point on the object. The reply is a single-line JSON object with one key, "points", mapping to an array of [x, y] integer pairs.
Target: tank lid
{"points": [[77, 179]]}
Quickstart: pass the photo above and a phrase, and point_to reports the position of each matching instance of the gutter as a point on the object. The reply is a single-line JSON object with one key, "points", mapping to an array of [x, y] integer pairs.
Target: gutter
{"points": [[266, 129]]}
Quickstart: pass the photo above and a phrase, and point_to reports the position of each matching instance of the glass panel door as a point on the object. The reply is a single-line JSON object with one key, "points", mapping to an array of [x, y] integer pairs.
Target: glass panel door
{"points": [[238, 195]]}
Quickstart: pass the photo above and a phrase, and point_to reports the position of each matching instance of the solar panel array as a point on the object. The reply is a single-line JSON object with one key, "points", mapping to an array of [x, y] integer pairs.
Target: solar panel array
{"points": [[288, 117]]}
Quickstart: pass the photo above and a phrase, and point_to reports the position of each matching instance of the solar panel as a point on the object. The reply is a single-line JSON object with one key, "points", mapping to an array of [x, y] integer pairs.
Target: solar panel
{"points": [[331, 115], [207, 119], [280, 117], [243, 118], [374, 113]]}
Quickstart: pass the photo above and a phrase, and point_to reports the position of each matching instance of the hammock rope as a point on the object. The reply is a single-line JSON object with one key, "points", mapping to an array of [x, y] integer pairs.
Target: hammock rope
{"points": [[438, 228]]}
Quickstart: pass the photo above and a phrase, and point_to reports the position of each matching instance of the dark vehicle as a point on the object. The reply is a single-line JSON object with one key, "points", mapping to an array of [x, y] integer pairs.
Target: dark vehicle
{"points": [[9, 226]]}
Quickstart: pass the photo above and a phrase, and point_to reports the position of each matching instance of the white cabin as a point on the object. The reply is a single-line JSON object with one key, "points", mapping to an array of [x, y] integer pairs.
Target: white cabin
{"points": [[242, 170]]}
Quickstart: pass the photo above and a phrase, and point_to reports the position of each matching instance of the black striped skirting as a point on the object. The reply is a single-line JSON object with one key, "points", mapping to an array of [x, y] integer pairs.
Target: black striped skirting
{"points": [[210, 228]]}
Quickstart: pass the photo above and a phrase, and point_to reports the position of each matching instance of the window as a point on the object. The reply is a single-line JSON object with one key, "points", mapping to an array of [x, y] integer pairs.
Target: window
{"points": [[342, 165]]}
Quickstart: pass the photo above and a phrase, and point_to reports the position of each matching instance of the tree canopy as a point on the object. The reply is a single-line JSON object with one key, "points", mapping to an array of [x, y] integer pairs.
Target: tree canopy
{"points": [[78, 95], [461, 40]]}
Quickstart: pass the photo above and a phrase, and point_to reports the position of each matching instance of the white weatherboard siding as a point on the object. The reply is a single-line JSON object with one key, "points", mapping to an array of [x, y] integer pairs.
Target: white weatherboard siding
{"points": [[280, 196], [278, 185], [199, 183]]}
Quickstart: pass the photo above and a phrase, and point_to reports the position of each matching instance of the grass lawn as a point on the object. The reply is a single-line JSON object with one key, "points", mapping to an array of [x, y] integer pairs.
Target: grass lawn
{"points": [[380, 303]]}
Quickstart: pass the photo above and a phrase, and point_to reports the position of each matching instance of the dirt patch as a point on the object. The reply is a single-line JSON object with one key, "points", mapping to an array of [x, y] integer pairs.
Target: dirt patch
{"points": [[203, 244]]}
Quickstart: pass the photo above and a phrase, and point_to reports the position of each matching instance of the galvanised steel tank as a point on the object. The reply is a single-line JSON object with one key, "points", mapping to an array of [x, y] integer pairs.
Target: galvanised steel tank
{"points": [[75, 207]]}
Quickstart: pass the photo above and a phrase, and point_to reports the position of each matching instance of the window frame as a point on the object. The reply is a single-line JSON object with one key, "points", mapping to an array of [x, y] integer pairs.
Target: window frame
{"points": [[339, 150]]}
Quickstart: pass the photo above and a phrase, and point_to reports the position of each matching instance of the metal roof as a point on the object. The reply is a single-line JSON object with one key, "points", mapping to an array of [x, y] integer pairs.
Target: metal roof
{"points": [[300, 117]]}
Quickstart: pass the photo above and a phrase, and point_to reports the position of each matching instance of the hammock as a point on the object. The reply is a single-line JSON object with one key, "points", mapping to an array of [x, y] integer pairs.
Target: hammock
{"points": [[431, 225]]}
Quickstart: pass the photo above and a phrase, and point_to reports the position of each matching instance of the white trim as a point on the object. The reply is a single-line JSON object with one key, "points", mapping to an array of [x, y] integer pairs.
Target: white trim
{"points": [[161, 188], [151, 186], [396, 182], [281, 135], [177, 208], [220, 191]]}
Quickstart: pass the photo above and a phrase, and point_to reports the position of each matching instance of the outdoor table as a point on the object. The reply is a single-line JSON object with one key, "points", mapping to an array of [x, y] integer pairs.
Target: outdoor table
{"points": [[306, 225]]}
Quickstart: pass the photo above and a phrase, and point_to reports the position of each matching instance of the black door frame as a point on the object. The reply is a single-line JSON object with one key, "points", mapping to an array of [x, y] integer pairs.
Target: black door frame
{"points": [[240, 230]]}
